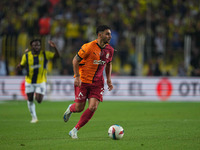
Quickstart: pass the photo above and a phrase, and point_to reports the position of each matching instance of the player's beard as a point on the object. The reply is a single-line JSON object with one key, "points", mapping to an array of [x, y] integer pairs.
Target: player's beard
{"points": [[36, 51], [107, 41]]}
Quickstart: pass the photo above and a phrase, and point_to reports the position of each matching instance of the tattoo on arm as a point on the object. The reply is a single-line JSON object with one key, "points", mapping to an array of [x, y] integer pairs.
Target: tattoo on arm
{"points": [[78, 58]]}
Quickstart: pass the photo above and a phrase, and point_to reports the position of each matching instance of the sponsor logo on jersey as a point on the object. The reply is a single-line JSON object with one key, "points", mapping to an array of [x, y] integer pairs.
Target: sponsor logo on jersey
{"points": [[99, 62], [36, 66]]}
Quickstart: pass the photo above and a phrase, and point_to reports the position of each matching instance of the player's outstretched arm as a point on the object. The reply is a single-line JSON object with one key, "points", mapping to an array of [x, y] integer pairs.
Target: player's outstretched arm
{"points": [[52, 44]]}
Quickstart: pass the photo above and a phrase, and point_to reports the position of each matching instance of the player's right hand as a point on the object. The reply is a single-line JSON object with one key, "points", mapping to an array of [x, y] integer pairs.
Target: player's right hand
{"points": [[77, 81]]}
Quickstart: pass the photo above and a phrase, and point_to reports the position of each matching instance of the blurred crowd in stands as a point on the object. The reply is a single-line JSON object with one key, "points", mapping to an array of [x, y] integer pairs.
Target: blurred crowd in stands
{"points": [[71, 23]]}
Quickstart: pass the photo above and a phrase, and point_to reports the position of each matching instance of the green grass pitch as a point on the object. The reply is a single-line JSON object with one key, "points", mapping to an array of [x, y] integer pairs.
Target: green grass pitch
{"points": [[147, 126]]}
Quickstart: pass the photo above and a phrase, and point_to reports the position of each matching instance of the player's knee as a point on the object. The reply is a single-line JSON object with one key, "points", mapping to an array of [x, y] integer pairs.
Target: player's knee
{"points": [[79, 107], [39, 98], [39, 101], [30, 99], [93, 108]]}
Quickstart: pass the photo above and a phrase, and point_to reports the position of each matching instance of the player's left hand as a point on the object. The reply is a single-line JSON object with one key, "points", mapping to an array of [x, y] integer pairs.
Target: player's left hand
{"points": [[110, 86], [52, 44]]}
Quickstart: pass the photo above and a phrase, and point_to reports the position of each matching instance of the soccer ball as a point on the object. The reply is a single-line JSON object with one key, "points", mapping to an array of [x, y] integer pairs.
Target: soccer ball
{"points": [[116, 132]]}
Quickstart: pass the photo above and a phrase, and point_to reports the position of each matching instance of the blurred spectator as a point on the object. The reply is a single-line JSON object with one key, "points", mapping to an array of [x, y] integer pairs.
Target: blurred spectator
{"points": [[89, 29], [195, 63], [123, 51], [67, 67], [72, 30], [115, 37], [59, 41], [197, 36], [159, 44], [182, 70], [150, 71], [30, 17], [176, 39], [132, 59], [53, 4], [157, 71], [22, 42], [44, 25], [77, 19], [43, 7], [3, 70]]}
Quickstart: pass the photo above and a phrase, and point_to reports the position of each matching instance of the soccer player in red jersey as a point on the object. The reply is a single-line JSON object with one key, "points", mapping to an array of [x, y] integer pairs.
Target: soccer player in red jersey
{"points": [[88, 67]]}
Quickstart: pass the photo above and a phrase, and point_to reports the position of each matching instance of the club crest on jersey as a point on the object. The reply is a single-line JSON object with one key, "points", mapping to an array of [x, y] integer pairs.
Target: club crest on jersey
{"points": [[107, 55]]}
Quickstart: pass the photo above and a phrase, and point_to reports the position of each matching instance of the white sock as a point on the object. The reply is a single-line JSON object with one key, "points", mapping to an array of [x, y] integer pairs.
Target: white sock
{"points": [[75, 130], [31, 107]]}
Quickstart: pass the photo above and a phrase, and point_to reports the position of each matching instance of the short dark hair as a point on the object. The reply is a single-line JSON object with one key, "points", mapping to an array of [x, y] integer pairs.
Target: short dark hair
{"points": [[102, 28], [34, 40]]}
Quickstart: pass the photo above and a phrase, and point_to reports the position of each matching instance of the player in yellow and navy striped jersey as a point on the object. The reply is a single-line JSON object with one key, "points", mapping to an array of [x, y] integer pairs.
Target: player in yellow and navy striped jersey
{"points": [[35, 62]]}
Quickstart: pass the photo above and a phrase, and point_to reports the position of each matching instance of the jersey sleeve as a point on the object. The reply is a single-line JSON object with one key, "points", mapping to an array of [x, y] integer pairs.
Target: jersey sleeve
{"points": [[111, 53], [84, 51], [49, 55], [23, 61]]}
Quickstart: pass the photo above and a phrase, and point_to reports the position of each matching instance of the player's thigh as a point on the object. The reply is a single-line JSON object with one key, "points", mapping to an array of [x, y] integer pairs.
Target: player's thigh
{"points": [[39, 97], [81, 93], [29, 88], [96, 91], [40, 88]]}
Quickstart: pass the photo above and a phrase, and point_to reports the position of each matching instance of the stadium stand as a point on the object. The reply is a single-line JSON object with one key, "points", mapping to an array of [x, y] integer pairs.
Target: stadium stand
{"points": [[164, 23]]}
